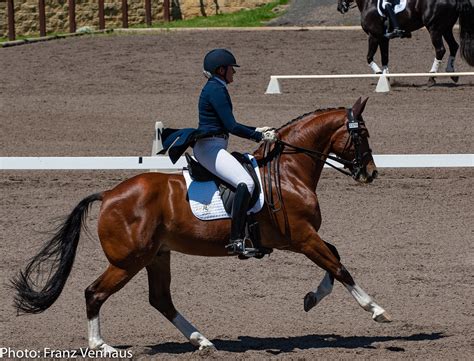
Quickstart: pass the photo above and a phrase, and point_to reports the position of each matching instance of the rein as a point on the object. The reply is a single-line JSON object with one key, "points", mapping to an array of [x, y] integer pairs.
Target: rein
{"points": [[271, 159]]}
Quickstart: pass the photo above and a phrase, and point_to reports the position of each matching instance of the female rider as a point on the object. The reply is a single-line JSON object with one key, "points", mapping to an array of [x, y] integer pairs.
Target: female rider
{"points": [[217, 120]]}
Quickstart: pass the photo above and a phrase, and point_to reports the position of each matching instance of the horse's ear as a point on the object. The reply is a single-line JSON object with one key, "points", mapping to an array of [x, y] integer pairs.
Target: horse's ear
{"points": [[356, 108], [362, 106]]}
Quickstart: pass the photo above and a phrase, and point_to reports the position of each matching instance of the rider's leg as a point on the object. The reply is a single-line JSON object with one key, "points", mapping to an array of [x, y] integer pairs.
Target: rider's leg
{"points": [[212, 154], [396, 31], [239, 216]]}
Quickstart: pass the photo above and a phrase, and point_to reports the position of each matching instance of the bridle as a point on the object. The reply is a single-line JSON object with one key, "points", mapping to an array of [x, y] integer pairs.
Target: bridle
{"points": [[271, 159], [355, 127]]}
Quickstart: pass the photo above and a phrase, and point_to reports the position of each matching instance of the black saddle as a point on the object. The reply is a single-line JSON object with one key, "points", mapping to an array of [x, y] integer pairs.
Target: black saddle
{"points": [[227, 192]]}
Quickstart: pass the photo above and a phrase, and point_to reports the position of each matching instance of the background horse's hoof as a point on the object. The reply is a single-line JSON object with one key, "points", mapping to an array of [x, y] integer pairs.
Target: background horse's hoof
{"points": [[455, 79], [431, 81], [383, 317], [310, 301]]}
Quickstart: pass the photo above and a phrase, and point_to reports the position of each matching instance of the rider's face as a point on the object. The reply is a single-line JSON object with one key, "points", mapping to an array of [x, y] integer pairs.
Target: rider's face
{"points": [[226, 73], [229, 74]]}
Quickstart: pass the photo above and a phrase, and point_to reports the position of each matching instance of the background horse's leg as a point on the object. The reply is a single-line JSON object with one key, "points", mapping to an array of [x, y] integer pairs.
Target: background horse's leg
{"points": [[159, 280], [437, 41], [324, 288], [384, 47], [318, 251], [112, 280], [453, 49], [373, 45]]}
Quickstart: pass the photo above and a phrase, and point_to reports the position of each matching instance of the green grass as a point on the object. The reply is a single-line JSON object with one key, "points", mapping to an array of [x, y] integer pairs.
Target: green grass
{"points": [[243, 18]]}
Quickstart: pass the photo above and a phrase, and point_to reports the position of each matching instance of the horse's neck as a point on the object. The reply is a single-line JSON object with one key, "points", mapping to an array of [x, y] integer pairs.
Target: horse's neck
{"points": [[313, 132]]}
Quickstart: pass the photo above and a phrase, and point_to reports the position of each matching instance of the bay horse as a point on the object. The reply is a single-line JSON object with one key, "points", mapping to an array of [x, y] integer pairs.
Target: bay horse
{"points": [[146, 217], [438, 16]]}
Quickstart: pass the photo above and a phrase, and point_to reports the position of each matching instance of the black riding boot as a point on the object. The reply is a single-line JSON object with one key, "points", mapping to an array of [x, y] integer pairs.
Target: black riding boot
{"points": [[396, 31], [239, 216]]}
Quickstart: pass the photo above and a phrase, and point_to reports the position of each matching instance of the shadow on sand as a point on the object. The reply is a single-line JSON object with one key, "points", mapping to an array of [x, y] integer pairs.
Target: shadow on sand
{"points": [[278, 345]]}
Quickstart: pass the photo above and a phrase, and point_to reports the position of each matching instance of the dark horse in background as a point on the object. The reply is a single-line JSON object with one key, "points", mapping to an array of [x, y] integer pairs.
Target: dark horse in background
{"points": [[146, 217], [438, 16]]}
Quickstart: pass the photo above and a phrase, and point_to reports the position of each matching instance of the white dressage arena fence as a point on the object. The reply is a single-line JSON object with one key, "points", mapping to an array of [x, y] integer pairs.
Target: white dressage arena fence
{"points": [[383, 84], [163, 163]]}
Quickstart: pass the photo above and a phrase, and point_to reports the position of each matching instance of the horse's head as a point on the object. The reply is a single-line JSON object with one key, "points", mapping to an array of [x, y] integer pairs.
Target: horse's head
{"points": [[343, 5], [351, 142]]}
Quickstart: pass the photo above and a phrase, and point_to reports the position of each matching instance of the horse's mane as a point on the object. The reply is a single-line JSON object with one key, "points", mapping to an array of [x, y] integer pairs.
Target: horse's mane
{"points": [[317, 111]]}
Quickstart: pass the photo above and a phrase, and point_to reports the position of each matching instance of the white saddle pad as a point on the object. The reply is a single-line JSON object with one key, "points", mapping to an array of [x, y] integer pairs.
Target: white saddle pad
{"points": [[205, 201], [397, 8]]}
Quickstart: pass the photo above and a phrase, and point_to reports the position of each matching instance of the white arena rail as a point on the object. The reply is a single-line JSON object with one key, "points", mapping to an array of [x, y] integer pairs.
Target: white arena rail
{"points": [[163, 163], [383, 84]]}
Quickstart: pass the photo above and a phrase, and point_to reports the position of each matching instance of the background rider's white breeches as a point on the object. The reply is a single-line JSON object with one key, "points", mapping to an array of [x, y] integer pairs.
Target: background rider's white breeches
{"points": [[212, 154]]}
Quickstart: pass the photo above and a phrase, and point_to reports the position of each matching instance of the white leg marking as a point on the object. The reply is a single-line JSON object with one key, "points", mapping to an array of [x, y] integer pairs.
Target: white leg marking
{"points": [[191, 333], [95, 340], [375, 68], [324, 288], [368, 304], [314, 297], [450, 65], [385, 69], [435, 66]]}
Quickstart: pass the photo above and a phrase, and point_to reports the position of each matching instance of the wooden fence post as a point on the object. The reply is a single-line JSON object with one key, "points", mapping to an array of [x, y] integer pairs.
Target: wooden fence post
{"points": [[42, 17], [72, 16], [101, 15], [166, 10], [11, 20], [124, 14], [148, 12]]}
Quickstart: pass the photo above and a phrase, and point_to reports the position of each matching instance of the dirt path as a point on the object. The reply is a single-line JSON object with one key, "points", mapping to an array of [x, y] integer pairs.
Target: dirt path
{"points": [[407, 238]]}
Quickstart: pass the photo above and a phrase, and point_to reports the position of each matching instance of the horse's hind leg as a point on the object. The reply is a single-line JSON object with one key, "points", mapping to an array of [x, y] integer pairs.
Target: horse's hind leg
{"points": [[437, 41], [112, 280], [159, 280], [453, 49], [319, 252]]}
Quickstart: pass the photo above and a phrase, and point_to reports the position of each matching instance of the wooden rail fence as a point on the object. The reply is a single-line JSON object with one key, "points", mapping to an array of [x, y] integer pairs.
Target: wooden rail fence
{"points": [[72, 15]]}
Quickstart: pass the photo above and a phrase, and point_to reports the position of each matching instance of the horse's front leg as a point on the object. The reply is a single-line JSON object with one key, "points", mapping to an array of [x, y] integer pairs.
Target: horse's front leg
{"points": [[327, 258], [384, 47], [437, 41], [373, 45]]}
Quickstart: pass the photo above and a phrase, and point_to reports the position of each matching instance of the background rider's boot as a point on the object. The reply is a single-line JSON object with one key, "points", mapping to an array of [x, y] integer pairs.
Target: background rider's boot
{"points": [[396, 31], [239, 215]]}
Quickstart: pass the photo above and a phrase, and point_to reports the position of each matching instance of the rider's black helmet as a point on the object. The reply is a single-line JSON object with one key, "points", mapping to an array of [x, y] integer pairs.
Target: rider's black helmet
{"points": [[218, 57]]}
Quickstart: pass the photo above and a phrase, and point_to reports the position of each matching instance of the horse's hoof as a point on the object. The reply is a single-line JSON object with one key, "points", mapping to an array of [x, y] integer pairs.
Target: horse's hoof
{"points": [[383, 318], [310, 301], [455, 79], [206, 349], [431, 81], [108, 350]]}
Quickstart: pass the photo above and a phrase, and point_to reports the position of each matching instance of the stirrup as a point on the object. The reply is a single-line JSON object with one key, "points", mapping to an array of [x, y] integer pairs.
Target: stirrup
{"points": [[238, 247], [396, 33]]}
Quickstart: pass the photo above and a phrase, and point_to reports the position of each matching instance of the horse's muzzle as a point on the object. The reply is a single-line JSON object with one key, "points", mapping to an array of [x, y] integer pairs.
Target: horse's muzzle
{"points": [[368, 174]]}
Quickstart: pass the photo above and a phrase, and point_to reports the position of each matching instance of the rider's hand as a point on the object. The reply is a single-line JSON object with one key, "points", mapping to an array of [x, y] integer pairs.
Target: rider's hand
{"points": [[262, 129], [269, 136]]}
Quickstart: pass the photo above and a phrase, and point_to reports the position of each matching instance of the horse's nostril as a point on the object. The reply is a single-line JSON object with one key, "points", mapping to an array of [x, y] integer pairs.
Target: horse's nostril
{"points": [[375, 174]]}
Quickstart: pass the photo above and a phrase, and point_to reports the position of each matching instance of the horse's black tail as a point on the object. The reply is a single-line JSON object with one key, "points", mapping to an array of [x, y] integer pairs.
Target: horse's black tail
{"points": [[466, 23], [41, 283]]}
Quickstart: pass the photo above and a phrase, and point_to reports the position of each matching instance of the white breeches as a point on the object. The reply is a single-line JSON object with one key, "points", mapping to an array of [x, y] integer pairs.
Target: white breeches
{"points": [[212, 154]]}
